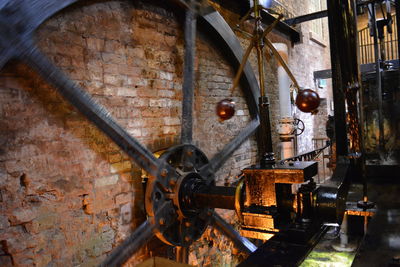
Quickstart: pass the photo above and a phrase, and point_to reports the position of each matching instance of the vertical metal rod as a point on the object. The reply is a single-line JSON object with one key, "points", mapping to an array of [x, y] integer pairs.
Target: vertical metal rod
{"points": [[365, 47], [182, 254], [265, 124], [361, 44], [391, 46], [368, 39], [335, 19], [260, 67], [378, 77], [188, 77], [259, 47]]}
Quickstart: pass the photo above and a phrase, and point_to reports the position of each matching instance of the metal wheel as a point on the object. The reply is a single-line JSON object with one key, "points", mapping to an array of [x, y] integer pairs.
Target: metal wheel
{"points": [[298, 127], [170, 217]]}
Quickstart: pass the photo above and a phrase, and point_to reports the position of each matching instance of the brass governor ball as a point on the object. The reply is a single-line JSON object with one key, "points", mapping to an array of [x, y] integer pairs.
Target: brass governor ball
{"points": [[308, 100], [225, 109]]}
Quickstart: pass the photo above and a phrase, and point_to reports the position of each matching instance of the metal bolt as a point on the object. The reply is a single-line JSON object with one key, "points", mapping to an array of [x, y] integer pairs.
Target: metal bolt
{"points": [[164, 172], [161, 221]]}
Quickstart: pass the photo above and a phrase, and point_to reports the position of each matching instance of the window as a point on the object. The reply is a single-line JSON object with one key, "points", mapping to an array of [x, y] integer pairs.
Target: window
{"points": [[317, 25]]}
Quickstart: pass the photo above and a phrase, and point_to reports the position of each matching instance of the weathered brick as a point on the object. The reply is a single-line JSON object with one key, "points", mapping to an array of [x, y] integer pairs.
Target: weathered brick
{"points": [[106, 181], [120, 167], [123, 198], [4, 223], [22, 215], [95, 44]]}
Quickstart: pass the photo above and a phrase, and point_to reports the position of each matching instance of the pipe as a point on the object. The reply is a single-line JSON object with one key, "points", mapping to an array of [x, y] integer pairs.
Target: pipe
{"points": [[286, 121], [284, 83]]}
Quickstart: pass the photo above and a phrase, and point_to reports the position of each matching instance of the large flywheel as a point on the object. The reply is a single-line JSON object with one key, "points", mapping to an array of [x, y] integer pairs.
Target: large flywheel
{"points": [[172, 215]]}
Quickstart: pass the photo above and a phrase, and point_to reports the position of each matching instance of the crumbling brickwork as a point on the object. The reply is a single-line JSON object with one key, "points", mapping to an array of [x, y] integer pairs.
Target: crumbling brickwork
{"points": [[68, 195]]}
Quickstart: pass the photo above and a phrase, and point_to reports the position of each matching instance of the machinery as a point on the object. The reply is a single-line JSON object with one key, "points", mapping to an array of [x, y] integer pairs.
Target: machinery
{"points": [[273, 200]]}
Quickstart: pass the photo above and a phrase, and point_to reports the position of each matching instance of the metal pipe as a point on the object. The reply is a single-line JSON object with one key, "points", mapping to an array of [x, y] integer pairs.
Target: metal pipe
{"points": [[286, 119], [283, 63]]}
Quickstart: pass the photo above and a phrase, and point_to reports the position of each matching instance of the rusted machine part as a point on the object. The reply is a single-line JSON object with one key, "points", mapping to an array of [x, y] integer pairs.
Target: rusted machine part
{"points": [[268, 202], [193, 196], [177, 187]]}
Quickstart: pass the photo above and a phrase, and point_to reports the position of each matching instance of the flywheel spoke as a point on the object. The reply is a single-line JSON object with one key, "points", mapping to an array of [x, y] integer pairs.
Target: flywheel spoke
{"points": [[90, 109], [220, 158], [33, 13], [5, 56], [241, 242], [188, 77], [141, 236], [133, 243]]}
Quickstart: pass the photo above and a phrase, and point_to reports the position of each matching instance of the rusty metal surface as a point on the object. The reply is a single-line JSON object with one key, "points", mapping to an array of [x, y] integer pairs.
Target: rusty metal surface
{"points": [[259, 221], [255, 233], [268, 207], [260, 183]]}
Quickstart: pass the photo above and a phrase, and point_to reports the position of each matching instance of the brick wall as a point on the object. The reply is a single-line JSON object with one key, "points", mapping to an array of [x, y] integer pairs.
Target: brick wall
{"points": [[68, 195]]}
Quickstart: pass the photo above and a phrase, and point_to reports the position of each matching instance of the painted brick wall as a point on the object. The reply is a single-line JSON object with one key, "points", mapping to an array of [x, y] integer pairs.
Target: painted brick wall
{"points": [[68, 195]]}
